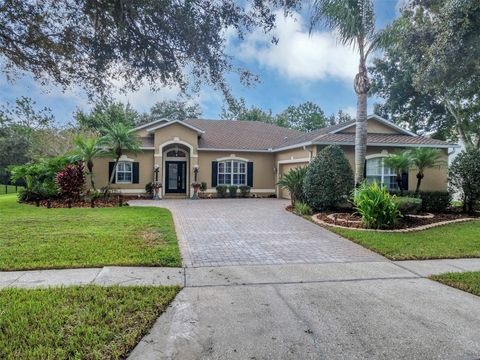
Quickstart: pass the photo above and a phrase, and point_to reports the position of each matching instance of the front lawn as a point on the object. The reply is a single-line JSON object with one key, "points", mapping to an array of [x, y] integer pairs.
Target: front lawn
{"points": [[41, 238], [450, 241], [89, 322], [467, 281]]}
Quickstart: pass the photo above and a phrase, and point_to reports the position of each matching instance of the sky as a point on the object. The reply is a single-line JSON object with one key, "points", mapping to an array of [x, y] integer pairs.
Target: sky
{"points": [[300, 68]]}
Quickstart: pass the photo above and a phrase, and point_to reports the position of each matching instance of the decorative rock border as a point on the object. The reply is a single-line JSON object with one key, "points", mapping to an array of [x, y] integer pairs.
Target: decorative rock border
{"points": [[426, 216], [418, 228]]}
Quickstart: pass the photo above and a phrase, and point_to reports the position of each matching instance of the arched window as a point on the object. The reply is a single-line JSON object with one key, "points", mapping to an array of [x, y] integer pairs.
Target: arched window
{"points": [[176, 153], [376, 170], [232, 172]]}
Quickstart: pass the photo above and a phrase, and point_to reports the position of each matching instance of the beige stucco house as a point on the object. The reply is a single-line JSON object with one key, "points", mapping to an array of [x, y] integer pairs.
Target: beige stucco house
{"points": [[254, 154]]}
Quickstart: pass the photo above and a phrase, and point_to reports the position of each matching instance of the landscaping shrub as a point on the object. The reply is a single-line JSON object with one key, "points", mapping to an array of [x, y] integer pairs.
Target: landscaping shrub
{"points": [[203, 186], [221, 191], [232, 191], [432, 201], [408, 205], [329, 179], [39, 178], [435, 201], [244, 190], [71, 181], [302, 208], [293, 182], [149, 188], [464, 177], [376, 206]]}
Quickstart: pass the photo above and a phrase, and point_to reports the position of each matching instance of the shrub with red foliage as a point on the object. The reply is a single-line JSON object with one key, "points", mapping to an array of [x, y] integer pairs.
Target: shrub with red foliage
{"points": [[71, 180]]}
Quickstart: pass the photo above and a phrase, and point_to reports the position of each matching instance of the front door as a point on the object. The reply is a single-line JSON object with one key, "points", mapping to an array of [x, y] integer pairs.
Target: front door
{"points": [[175, 177]]}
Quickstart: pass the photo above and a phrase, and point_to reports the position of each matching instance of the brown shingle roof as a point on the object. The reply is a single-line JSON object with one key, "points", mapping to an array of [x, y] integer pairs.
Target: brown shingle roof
{"points": [[242, 135], [375, 138]]}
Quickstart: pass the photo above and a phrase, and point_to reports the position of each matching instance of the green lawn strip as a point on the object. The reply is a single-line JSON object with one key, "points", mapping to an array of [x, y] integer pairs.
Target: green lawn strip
{"points": [[467, 281], [90, 322], [444, 242], [41, 238]]}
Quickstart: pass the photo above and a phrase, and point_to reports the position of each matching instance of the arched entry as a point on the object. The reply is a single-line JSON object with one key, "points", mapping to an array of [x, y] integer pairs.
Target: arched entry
{"points": [[175, 165]]}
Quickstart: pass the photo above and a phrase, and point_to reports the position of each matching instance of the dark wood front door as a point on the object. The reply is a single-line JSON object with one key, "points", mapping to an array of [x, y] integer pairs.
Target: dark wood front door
{"points": [[175, 177]]}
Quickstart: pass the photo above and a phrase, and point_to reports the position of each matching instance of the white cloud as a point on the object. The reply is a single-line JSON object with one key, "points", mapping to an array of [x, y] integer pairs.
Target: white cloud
{"points": [[350, 110], [298, 54]]}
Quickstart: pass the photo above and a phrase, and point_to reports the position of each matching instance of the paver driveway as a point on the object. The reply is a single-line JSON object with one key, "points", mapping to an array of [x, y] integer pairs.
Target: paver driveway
{"points": [[253, 231]]}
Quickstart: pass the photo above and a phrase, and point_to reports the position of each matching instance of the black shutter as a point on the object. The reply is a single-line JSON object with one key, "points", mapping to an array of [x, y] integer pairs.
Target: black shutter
{"points": [[405, 181], [111, 165], [365, 170], [250, 173], [214, 173], [136, 172]]}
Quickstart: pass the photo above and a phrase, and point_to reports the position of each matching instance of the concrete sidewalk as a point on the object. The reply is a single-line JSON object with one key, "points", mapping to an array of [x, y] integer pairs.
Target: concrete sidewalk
{"points": [[236, 275]]}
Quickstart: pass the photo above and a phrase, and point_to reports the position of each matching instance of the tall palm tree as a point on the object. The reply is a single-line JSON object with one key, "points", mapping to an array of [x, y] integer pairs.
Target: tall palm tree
{"points": [[293, 182], [354, 23], [119, 139], [85, 150], [399, 163], [423, 158]]}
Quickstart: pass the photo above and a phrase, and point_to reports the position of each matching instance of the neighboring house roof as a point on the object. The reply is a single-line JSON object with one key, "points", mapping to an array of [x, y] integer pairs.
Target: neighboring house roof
{"points": [[259, 136]]}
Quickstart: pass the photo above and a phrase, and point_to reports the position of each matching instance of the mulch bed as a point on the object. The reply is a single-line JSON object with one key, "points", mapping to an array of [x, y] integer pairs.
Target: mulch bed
{"points": [[342, 219], [113, 201]]}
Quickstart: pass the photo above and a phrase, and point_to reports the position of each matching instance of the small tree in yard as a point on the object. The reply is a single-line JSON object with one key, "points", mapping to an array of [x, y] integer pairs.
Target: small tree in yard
{"points": [[293, 182], [71, 181], [464, 176], [329, 179], [399, 163], [423, 158], [118, 139]]}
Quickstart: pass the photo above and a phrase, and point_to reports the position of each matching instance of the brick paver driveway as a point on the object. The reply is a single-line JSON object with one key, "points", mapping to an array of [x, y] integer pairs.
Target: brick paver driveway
{"points": [[253, 231]]}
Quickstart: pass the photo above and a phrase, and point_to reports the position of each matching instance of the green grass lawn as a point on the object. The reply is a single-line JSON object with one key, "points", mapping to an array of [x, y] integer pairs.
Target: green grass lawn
{"points": [[450, 241], [467, 281], [9, 189], [89, 322], [41, 238]]}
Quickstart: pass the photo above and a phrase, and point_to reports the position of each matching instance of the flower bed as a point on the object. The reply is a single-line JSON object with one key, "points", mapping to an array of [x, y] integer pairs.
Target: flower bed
{"points": [[113, 201], [408, 223]]}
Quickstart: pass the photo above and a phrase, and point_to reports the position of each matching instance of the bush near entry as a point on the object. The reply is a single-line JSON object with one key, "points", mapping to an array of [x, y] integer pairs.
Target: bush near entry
{"points": [[329, 179]]}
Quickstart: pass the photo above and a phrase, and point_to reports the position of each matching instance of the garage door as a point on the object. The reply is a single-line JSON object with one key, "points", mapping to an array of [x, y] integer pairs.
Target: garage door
{"points": [[285, 168]]}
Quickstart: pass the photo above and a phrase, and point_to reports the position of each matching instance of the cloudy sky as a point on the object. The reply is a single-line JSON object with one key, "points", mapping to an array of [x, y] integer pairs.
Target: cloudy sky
{"points": [[301, 67]]}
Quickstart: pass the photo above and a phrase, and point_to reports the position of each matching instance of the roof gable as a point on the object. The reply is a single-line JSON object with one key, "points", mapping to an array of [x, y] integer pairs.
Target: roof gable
{"points": [[162, 125], [378, 119]]}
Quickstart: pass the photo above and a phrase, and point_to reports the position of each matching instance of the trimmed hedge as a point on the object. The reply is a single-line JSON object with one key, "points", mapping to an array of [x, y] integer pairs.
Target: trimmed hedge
{"points": [[432, 201], [408, 205]]}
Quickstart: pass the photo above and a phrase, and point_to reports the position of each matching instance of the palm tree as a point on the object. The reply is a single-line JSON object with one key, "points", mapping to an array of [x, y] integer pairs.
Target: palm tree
{"points": [[85, 150], [399, 163], [293, 182], [119, 139], [423, 158], [354, 23]]}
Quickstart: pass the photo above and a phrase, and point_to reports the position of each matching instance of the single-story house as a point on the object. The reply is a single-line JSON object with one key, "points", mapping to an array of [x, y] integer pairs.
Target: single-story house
{"points": [[253, 153]]}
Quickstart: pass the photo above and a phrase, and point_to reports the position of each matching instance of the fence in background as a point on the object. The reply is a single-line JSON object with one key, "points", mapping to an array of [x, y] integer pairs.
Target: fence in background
{"points": [[9, 187]]}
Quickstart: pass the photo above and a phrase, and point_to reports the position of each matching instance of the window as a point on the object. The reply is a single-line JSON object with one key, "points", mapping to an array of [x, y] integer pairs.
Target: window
{"points": [[232, 172], [382, 174], [175, 153], [124, 172]]}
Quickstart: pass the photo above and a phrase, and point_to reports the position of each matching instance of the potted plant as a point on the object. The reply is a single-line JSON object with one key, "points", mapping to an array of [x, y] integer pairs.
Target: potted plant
{"points": [[195, 185], [156, 186]]}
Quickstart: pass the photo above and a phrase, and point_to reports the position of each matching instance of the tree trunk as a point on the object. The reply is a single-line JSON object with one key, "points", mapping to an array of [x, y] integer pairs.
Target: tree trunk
{"points": [[112, 176], [361, 86], [90, 171], [360, 138], [419, 182], [400, 183]]}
